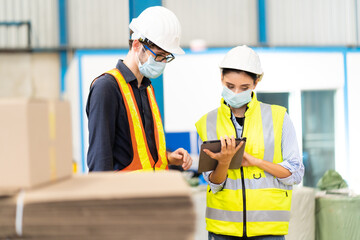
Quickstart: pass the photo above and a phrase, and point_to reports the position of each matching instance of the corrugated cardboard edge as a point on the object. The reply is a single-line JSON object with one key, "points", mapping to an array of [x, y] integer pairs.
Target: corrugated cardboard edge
{"points": [[12, 191], [110, 185], [105, 186], [8, 192]]}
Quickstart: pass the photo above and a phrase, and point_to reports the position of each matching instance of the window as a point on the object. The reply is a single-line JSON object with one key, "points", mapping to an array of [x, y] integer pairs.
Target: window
{"points": [[318, 134], [281, 99]]}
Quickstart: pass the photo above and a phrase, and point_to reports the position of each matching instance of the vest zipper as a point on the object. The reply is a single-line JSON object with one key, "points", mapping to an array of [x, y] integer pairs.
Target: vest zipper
{"points": [[243, 188], [244, 201], [242, 180]]}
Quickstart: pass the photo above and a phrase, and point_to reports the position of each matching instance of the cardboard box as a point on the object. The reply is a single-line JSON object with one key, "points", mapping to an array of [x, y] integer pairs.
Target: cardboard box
{"points": [[35, 142]]}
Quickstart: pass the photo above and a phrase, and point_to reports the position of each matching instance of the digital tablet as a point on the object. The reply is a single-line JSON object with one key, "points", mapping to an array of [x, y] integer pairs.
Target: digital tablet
{"points": [[206, 163]]}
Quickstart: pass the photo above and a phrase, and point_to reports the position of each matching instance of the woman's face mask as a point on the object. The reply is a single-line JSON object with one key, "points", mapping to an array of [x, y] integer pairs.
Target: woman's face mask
{"points": [[236, 100], [151, 68]]}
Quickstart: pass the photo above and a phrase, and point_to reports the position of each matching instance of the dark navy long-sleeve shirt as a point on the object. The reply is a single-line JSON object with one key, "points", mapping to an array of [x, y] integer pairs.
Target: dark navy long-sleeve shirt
{"points": [[110, 146]]}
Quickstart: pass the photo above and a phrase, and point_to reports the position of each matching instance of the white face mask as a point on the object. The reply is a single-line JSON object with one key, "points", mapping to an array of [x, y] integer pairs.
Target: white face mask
{"points": [[236, 100], [151, 68]]}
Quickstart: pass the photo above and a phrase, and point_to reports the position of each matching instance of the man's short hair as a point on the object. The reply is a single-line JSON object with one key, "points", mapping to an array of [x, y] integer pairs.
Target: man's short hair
{"points": [[145, 41]]}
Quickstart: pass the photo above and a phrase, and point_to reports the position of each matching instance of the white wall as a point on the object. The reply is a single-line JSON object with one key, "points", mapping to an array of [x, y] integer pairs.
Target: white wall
{"points": [[29, 75], [353, 63], [195, 79]]}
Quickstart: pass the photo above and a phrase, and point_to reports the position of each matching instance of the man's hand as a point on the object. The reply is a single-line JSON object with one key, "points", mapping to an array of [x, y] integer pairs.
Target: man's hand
{"points": [[180, 157]]}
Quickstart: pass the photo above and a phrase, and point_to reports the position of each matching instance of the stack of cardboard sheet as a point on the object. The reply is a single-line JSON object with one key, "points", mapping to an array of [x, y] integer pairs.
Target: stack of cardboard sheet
{"points": [[102, 206]]}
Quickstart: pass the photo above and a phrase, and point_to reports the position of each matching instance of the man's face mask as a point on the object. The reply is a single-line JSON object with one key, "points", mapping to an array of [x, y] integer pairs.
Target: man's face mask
{"points": [[236, 100], [151, 68]]}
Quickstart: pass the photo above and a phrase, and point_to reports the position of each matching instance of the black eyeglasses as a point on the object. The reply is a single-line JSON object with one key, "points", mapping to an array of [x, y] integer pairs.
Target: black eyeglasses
{"points": [[161, 58]]}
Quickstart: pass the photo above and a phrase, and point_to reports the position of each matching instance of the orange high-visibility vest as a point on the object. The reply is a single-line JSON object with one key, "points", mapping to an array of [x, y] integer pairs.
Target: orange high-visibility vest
{"points": [[142, 159]]}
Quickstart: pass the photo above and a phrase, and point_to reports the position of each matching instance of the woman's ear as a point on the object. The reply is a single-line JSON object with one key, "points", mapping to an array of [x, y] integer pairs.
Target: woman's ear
{"points": [[256, 82], [222, 79]]}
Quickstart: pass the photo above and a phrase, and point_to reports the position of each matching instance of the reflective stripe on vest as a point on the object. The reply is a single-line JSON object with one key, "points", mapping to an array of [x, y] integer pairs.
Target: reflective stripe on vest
{"points": [[260, 183], [268, 131], [251, 216], [142, 159], [211, 124], [268, 201], [159, 130]]}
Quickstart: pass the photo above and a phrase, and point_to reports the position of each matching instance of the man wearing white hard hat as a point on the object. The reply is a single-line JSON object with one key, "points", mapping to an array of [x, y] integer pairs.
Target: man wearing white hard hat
{"points": [[253, 201], [125, 127]]}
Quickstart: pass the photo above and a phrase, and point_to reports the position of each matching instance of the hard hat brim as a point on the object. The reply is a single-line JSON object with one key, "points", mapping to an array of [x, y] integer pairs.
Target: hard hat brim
{"points": [[178, 50]]}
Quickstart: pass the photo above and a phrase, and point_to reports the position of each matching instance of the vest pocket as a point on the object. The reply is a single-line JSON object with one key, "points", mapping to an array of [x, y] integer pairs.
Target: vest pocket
{"points": [[269, 199]]}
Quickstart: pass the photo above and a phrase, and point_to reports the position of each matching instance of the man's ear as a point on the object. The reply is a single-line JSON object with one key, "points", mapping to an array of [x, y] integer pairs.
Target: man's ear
{"points": [[136, 44]]}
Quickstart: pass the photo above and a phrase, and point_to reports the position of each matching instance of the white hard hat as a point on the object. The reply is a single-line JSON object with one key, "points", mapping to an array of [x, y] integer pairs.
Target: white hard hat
{"points": [[242, 58], [160, 26]]}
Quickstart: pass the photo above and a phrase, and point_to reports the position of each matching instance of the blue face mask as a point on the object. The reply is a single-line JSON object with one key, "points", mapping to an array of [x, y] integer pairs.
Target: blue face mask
{"points": [[151, 68], [236, 100]]}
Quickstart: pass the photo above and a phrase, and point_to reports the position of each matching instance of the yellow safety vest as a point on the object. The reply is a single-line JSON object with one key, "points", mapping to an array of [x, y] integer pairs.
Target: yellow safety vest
{"points": [[142, 159], [252, 202]]}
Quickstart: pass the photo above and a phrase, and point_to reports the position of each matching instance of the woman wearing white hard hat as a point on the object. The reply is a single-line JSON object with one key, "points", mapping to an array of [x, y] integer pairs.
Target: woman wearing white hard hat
{"points": [[253, 201], [125, 128]]}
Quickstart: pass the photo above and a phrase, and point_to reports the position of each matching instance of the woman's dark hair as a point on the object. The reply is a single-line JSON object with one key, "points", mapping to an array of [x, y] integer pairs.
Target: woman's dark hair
{"points": [[229, 70]]}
